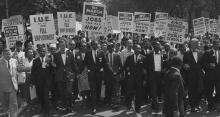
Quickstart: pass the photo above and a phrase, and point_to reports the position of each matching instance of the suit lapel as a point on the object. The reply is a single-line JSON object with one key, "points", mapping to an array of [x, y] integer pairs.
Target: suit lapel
{"points": [[191, 54]]}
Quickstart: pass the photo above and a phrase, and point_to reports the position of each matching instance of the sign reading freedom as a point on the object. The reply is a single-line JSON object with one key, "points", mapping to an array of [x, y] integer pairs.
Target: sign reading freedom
{"points": [[93, 17], [43, 29]]}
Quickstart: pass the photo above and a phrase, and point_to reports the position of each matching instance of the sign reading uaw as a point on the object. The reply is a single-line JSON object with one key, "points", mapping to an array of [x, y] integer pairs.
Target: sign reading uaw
{"points": [[42, 27], [93, 17]]}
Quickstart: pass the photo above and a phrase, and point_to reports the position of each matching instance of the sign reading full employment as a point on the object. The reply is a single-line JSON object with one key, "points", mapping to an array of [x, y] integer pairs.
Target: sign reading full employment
{"points": [[142, 23], [13, 29], [66, 23], [93, 18], [43, 29], [125, 21], [199, 26], [176, 29], [160, 24]]}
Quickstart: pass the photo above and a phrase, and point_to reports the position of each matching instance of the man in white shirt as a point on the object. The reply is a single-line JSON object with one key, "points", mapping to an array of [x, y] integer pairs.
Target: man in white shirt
{"points": [[154, 66], [194, 74], [128, 51]]}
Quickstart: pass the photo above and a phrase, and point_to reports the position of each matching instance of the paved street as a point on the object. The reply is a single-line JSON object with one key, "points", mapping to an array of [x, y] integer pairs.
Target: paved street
{"points": [[105, 111]]}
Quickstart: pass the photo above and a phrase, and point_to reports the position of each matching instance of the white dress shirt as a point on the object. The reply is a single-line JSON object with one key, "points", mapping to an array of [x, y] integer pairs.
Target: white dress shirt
{"points": [[217, 56], [125, 53], [195, 55], [94, 54], [64, 58], [157, 62]]}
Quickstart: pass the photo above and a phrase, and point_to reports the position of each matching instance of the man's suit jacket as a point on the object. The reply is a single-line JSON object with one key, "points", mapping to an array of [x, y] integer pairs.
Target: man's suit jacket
{"points": [[174, 92], [8, 81], [149, 64], [95, 68], [195, 67], [63, 70], [113, 67], [39, 75], [134, 69]]}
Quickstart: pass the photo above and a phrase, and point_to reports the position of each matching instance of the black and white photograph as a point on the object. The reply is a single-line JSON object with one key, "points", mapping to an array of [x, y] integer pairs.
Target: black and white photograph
{"points": [[109, 58]]}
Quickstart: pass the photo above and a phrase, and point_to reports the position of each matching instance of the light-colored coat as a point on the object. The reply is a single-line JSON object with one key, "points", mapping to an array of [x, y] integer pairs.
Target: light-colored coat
{"points": [[8, 81]]}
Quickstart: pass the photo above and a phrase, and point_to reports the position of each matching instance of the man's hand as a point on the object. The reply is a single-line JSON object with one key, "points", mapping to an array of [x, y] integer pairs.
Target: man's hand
{"points": [[212, 65], [176, 113], [186, 66]]}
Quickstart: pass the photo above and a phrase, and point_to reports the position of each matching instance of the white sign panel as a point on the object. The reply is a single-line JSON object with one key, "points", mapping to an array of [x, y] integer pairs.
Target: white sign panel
{"points": [[207, 24], [109, 25], [125, 21], [213, 26], [66, 23], [160, 24], [199, 26], [93, 18], [142, 23], [43, 29], [13, 29], [176, 29]]}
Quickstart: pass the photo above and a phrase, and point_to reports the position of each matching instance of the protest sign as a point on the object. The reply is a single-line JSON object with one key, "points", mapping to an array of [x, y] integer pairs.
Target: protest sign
{"points": [[93, 18], [66, 23], [109, 25], [13, 29], [213, 26], [142, 23], [176, 29], [199, 26], [43, 30], [207, 24], [160, 24], [125, 21]]}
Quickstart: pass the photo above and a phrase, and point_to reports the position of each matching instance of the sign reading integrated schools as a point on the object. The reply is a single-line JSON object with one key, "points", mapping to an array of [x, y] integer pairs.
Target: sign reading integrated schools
{"points": [[176, 29], [125, 21], [142, 23], [93, 18], [43, 29], [13, 29], [66, 23]]}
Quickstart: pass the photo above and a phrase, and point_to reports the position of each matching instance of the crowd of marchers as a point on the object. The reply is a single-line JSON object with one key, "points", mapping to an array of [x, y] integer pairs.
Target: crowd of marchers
{"points": [[139, 72]]}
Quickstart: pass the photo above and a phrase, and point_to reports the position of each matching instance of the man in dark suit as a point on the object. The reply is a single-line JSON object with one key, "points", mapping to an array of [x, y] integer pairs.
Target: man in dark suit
{"points": [[192, 60], [65, 69], [174, 90], [154, 66], [134, 78], [111, 79], [211, 67], [95, 62], [41, 73]]}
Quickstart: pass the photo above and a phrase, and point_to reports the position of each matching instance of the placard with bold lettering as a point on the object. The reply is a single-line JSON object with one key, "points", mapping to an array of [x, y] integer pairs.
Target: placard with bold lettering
{"points": [[93, 18], [142, 23], [213, 26], [66, 23], [125, 21], [199, 26], [13, 29], [160, 24], [42, 27], [176, 29]]}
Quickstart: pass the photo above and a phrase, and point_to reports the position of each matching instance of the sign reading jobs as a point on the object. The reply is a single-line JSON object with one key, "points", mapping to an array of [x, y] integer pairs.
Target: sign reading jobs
{"points": [[125, 21], [66, 23], [142, 23], [176, 29], [13, 29], [43, 29], [93, 18]]}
